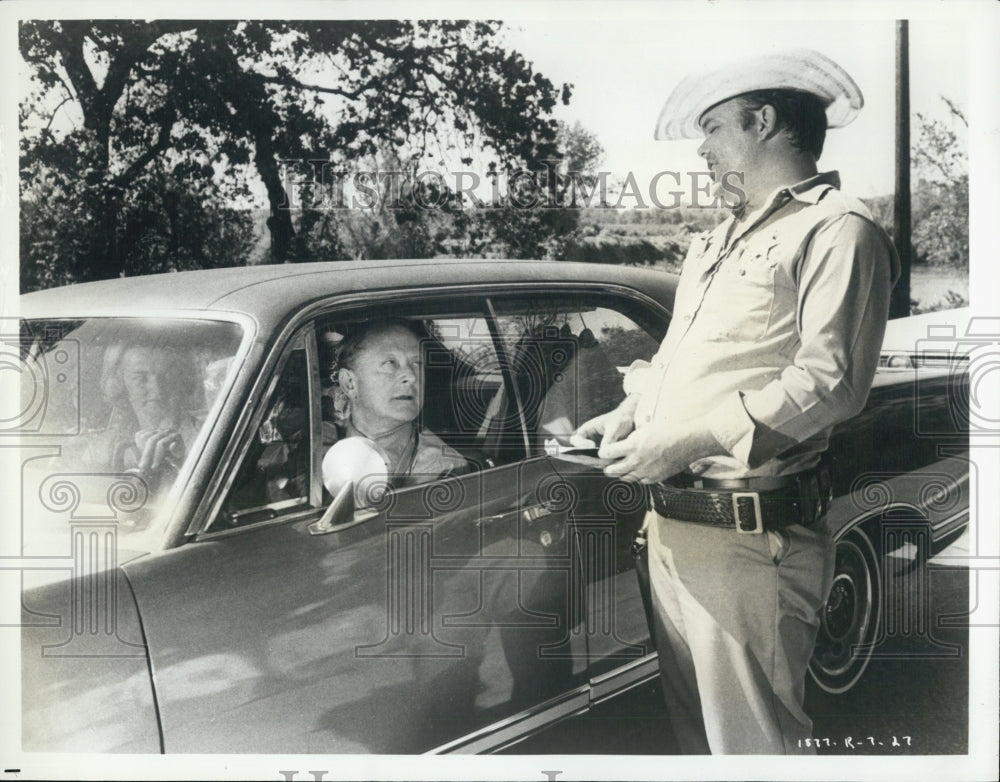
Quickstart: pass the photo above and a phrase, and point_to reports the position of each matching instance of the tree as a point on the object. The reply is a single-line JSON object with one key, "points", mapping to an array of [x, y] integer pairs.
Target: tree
{"points": [[200, 103], [520, 219], [941, 196]]}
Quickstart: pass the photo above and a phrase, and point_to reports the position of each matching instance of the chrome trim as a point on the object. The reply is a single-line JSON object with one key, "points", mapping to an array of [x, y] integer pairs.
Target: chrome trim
{"points": [[313, 394], [519, 726], [613, 683], [484, 290], [953, 521], [305, 514], [277, 507], [508, 383], [527, 723]]}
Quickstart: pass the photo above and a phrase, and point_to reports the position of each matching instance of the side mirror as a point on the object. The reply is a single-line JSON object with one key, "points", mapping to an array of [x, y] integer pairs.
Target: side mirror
{"points": [[355, 473]]}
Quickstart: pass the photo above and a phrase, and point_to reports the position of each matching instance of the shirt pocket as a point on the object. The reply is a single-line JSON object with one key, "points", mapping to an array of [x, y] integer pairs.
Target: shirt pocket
{"points": [[739, 304]]}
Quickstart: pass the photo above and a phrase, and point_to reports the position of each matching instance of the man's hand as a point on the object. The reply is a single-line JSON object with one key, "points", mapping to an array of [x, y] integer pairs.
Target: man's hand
{"points": [[610, 427], [655, 453]]}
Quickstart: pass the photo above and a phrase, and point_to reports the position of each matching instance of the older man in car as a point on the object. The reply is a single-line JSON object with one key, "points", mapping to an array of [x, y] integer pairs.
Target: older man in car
{"points": [[380, 373]]}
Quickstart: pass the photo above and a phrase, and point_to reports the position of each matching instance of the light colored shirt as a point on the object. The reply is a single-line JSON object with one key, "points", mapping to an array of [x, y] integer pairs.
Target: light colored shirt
{"points": [[430, 459], [776, 330]]}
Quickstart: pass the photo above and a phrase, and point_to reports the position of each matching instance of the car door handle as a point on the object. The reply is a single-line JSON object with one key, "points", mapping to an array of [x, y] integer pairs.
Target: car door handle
{"points": [[529, 514]]}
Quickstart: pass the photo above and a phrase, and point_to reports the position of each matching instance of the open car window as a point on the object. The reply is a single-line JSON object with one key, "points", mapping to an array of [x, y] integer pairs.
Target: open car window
{"points": [[502, 380], [569, 357], [460, 378]]}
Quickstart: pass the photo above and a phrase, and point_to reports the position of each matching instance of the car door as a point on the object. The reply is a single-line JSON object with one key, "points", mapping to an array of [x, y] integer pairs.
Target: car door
{"points": [[442, 617], [570, 352]]}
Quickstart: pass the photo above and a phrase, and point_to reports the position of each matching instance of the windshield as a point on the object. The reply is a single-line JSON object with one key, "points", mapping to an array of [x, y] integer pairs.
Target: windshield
{"points": [[112, 410]]}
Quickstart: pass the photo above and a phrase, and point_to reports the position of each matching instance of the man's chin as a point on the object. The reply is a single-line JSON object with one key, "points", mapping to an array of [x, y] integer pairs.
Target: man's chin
{"points": [[405, 410]]}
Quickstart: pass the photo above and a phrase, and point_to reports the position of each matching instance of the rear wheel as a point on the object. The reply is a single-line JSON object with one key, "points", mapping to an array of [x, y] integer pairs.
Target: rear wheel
{"points": [[850, 621]]}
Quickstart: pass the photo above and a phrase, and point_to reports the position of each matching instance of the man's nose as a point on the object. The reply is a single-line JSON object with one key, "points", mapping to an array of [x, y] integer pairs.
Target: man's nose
{"points": [[703, 148], [408, 373]]}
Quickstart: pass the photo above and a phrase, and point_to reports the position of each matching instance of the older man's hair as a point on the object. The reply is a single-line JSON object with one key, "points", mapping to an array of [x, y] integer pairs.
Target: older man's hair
{"points": [[801, 115], [354, 342]]}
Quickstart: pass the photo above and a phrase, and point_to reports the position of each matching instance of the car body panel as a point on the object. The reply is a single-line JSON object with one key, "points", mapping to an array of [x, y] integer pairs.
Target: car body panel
{"points": [[888, 457], [86, 685], [276, 640]]}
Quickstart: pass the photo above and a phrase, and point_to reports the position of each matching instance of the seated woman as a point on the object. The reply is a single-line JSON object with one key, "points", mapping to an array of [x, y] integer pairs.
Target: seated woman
{"points": [[380, 377], [152, 388]]}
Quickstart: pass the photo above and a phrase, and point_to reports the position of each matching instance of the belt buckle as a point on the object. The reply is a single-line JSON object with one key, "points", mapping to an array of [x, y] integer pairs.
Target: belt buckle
{"points": [[746, 513]]}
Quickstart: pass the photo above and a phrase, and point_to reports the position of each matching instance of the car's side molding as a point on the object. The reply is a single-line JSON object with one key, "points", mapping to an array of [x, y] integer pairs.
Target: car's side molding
{"points": [[527, 723]]}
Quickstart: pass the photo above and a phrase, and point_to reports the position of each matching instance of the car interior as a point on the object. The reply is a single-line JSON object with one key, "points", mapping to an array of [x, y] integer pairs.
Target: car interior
{"points": [[566, 362]]}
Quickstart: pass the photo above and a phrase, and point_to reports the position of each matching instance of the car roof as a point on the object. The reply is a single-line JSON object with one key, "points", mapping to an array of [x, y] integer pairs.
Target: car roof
{"points": [[944, 329], [268, 293]]}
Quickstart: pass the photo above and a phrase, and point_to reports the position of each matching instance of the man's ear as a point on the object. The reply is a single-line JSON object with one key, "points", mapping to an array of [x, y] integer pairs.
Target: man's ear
{"points": [[348, 383], [767, 121]]}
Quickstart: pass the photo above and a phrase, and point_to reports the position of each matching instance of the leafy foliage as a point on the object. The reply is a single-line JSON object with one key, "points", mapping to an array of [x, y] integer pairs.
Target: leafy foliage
{"points": [[941, 197], [513, 214], [173, 115]]}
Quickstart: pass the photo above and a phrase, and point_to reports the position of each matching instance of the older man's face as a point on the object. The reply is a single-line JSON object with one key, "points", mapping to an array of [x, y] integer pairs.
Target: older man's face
{"points": [[384, 383], [727, 145]]}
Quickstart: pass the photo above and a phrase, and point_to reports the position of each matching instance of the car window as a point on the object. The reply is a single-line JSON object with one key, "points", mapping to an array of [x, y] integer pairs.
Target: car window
{"points": [[125, 402], [569, 358], [275, 472], [460, 377], [497, 386]]}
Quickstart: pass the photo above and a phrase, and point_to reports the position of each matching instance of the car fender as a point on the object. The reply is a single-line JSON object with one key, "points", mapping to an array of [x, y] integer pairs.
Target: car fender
{"points": [[85, 677]]}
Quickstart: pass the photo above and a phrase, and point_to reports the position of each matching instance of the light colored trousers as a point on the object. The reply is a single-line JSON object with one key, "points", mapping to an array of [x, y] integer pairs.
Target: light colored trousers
{"points": [[736, 618]]}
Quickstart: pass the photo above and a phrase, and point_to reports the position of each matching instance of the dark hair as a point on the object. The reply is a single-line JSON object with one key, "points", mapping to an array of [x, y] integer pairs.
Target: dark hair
{"points": [[354, 342], [801, 115]]}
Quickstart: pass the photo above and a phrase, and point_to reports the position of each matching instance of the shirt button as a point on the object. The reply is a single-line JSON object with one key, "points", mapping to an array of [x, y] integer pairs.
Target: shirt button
{"points": [[743, 272]]}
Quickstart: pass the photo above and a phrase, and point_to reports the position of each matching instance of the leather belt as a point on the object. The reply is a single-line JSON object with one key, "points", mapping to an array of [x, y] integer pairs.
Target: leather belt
{"points": [[797, 499]]}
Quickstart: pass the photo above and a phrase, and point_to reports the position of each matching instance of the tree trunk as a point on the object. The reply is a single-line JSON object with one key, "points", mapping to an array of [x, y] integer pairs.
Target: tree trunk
{"points": [[280, 221]]}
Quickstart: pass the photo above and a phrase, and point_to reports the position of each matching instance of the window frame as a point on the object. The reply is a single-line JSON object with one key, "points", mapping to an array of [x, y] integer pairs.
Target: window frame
{"points": [[648, 314], [302, 339]]}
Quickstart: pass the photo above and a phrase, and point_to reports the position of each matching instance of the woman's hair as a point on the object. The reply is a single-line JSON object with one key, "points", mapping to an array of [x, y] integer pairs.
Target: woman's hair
{"points": [[184, 371]]}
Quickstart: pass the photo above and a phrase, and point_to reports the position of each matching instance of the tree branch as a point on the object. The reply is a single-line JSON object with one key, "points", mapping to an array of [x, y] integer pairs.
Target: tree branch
{"points": [[55, 111], [290, 82], [161, 144]]}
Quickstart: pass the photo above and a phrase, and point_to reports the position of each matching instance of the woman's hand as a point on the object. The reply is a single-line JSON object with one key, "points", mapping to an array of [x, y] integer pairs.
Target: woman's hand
{"points": [[161, 452]]}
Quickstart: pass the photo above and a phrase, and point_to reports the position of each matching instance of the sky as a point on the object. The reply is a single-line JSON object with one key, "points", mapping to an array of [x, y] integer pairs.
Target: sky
{"points": [[623, 69]]}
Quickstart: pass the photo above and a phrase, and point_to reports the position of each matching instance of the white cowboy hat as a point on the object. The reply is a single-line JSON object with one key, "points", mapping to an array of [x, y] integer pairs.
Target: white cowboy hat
{"points": [[794, 69]]}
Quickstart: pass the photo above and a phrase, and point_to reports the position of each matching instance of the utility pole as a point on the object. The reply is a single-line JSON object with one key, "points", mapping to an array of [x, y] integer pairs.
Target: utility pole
{"points": [[899, 306]]}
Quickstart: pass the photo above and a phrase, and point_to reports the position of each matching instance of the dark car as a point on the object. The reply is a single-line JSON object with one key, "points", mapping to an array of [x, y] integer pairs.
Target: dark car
{"points": [[224, 602]]}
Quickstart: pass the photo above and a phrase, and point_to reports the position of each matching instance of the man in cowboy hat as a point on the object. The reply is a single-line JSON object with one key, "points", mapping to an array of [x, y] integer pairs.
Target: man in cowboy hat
{"points": [[777, 324]]}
